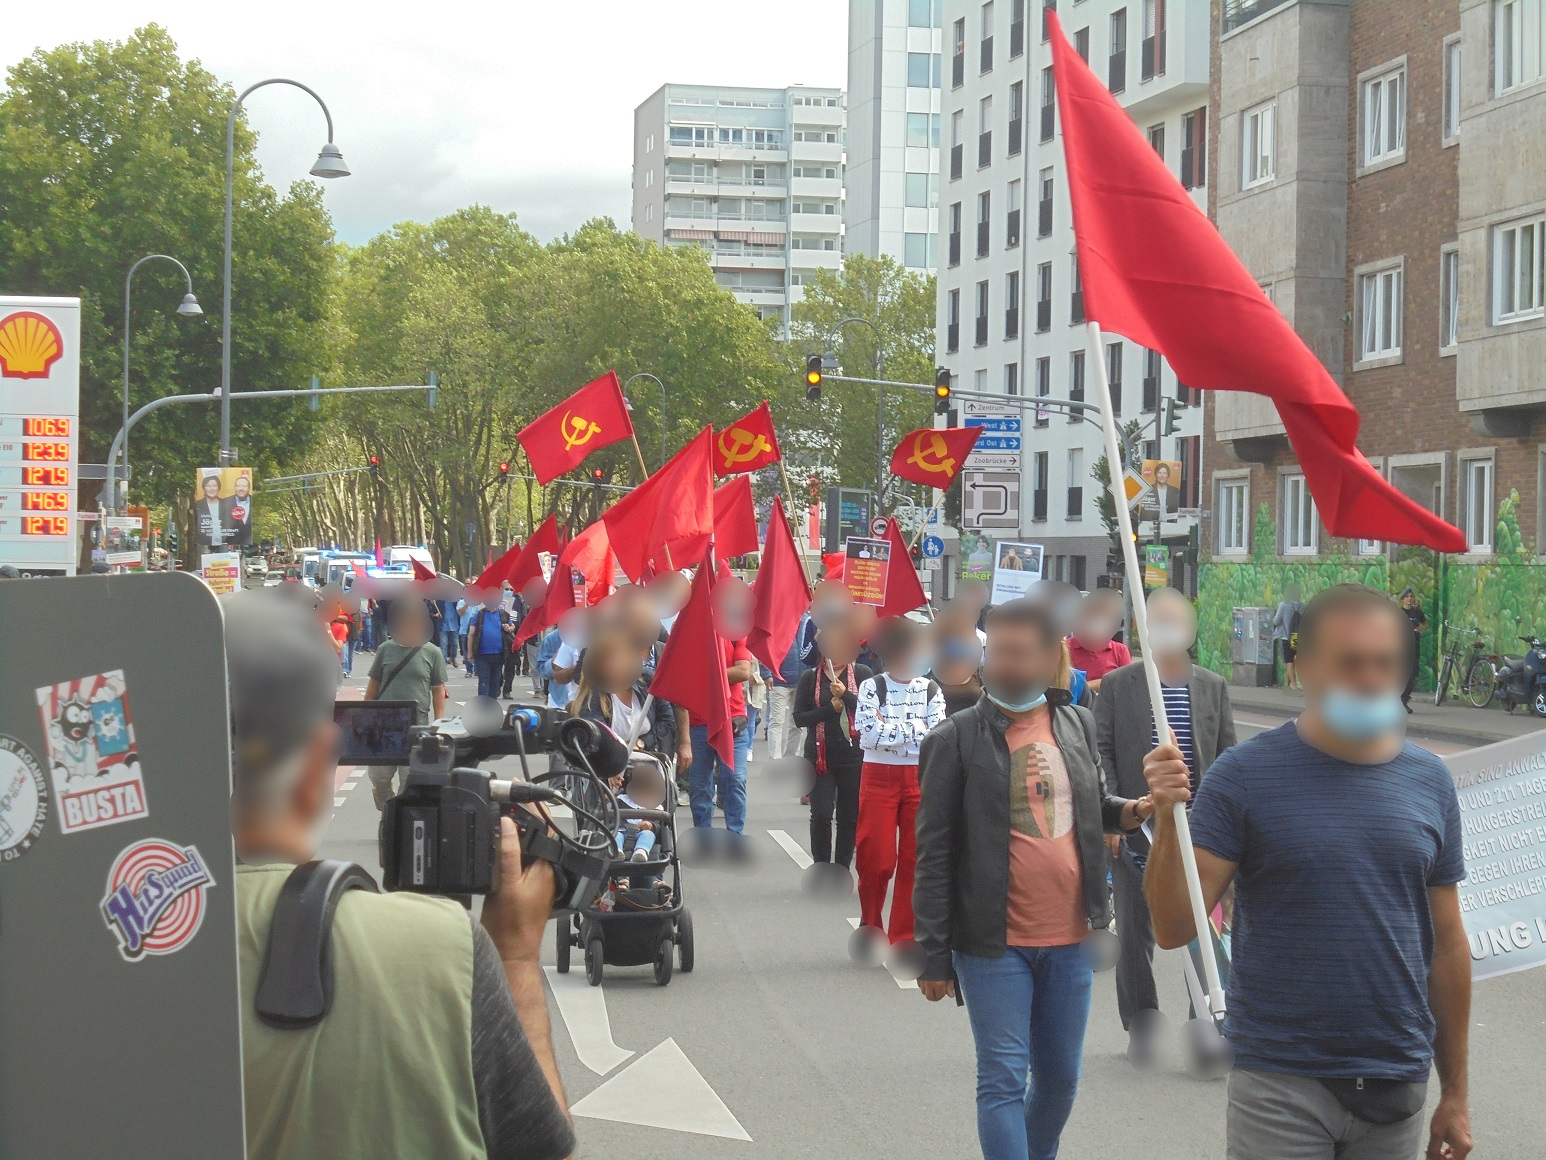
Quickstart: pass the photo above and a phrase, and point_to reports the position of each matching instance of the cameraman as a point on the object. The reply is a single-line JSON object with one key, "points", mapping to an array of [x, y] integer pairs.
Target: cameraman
{"points": [[437, 1042]]}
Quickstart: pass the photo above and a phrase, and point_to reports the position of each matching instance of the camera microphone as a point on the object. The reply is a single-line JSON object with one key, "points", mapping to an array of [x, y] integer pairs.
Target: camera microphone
{"points": [[607, 755]]}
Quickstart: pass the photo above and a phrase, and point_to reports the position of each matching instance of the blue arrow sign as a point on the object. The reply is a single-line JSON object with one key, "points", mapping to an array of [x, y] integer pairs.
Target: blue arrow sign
{"points": [[997, 443], [994, 423], [933, 546]]}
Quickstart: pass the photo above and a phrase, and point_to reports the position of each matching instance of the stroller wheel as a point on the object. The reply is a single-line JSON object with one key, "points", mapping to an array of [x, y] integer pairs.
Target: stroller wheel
{"points": [[593, 957], [565, 942], [663, 960], [684, 940]]}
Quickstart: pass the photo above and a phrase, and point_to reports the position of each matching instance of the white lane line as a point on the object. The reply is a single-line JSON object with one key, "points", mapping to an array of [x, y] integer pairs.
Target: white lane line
{"points": [[905, 984], [337, 801], [792, 848], [584, 1011], [662, 1089]]}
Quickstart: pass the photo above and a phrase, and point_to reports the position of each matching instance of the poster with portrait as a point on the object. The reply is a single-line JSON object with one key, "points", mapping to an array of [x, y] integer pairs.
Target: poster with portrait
{"points": [[1163, 499], [222, 507], [1016, 567]]}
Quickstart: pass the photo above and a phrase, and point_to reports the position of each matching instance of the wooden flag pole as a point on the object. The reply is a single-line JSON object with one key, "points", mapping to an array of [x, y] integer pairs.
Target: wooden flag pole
{"points": [[644, 475], [799, 541], [1097, 358]]}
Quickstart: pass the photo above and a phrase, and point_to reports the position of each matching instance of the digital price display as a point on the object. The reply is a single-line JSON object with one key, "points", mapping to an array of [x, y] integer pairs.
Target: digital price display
{"points": [[39, 434]]}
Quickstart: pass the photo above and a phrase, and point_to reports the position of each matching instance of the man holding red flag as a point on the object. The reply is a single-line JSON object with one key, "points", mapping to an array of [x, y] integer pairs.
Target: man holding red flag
{"points": [[593, 417]]}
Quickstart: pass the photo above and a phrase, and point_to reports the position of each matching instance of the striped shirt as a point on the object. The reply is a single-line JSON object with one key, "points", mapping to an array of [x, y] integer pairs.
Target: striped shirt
{"points": [[1178, 711]]}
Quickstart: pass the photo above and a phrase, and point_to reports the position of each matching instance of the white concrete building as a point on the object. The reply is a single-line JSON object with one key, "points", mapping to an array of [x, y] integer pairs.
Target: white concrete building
{"points": [[752, 176], [893, 130], [1010, 318]]}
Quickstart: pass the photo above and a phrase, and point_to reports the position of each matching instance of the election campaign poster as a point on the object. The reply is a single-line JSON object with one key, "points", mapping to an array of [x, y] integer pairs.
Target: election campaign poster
{"points": [[222, 571], [865, 565], [1016, 567], [222, 507]]}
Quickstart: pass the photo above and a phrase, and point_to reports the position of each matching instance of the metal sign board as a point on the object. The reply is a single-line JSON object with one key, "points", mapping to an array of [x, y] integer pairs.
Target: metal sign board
{"points": [[1136, 487], [933, 547], [117, 878], [40, 389], [990, 499]]}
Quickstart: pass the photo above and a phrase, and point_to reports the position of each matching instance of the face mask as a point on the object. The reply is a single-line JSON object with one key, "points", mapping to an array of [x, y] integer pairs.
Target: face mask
{"points": [[959, 652], [1021, 700], [1165, 637], [1360, 717]]}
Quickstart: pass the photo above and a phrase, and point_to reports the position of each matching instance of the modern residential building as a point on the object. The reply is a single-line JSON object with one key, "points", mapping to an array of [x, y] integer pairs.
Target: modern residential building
{"points": [[1011, 315], [1382, 172], [754, 177], [893, 130]]}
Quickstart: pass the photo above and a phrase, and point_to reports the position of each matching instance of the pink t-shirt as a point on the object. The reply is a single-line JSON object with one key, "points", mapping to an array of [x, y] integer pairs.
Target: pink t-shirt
{"points": [[1097, 664], [1045, 906]]}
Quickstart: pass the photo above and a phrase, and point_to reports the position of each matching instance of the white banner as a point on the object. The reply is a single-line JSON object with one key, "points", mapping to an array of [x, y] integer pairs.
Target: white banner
{"points": [[1502, 790]]}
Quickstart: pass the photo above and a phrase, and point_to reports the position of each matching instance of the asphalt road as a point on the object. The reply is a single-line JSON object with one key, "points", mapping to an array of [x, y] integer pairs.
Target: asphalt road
{"points": [[777, 1045]]}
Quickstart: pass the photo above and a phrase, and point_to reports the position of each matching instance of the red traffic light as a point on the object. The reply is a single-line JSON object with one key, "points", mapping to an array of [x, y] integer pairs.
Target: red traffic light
{"points": [[597, 474], [504, 469], [375, 461]]}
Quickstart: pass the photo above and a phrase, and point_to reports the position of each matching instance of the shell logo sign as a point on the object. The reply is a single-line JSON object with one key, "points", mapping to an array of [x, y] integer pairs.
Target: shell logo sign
{"points": [[30, 345]]}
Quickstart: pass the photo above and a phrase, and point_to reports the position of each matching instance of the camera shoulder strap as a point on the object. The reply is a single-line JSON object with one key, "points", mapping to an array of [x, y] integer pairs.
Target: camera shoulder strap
{"points": [[396, 672], [295, 987]]}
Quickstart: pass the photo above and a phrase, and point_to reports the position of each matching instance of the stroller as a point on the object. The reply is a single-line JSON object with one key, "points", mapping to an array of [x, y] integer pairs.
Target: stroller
{"points": [[638, 918]]}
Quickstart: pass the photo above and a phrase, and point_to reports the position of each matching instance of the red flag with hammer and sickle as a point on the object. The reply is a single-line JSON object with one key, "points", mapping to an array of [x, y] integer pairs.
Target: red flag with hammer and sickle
{"points": [[747, 444], [933, 455], [593, 417]]}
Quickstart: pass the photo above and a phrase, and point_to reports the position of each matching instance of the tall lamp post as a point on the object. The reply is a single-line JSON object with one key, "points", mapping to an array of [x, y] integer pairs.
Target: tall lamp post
{"points": [[662, 386], [880, 409], [329, 163], [188, 307]]}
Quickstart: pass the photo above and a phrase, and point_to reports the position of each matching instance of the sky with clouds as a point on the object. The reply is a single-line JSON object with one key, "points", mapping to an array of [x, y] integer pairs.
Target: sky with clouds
{"points": [[523, 105]]}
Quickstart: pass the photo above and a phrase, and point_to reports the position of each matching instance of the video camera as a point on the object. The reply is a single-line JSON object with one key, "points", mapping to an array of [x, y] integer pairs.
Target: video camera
{"points": [[440, 834]]}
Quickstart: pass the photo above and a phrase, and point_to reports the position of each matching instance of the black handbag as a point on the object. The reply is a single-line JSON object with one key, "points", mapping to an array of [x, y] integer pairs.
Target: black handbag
{"points": [[1379, 1101]]}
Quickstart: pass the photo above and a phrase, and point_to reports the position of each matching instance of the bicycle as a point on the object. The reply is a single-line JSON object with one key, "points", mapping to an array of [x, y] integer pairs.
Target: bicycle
{"points": [[1452, 667]]}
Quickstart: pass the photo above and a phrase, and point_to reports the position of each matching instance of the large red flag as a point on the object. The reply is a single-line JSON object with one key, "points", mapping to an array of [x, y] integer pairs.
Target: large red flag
{"points": [[590, 554], [933, 455], [747, 444], [735, 519], [781, 593], [1155, 270], [691, 672], [593, 417], [521, 563], [903, 591], [670, 514]]}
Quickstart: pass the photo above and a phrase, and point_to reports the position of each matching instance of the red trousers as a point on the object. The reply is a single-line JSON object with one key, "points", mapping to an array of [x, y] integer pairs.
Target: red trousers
{"points": [[887, 845]]}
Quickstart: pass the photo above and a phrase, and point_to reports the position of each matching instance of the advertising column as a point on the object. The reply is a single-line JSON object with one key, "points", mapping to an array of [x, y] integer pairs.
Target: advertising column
{"points": [[40, 390]]}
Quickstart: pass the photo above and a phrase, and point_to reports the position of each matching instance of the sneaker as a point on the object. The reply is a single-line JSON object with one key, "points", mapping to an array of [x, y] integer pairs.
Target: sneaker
{"points": [[682, 799], [640, 856]]}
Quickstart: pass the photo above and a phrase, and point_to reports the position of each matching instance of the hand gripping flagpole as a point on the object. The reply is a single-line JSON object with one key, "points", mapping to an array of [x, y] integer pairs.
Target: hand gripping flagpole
{"points": [[1151, 670]]}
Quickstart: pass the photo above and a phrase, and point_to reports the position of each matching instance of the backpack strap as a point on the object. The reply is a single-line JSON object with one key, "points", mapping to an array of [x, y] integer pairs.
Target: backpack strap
{"points": [[295, 986]]}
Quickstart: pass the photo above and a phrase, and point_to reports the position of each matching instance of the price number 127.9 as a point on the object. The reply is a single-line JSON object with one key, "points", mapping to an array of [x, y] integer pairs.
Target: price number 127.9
{"points": [[45, 525]]}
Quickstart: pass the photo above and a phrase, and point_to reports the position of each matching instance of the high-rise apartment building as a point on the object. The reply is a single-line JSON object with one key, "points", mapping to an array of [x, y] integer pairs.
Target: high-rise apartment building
{"points": [[892, 186], [1011, 313], [1382, 173], [754, 177]]}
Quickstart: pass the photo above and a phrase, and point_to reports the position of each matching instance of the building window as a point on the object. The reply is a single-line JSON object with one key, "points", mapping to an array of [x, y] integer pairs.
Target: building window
{"points": [[1044, 204], [1076, 483], [1016, 117], [1257, 139], [1082, 44], [1048, 103], [1233, 525], [956, 119], [984, 131], [1189, 452], [1012, 304], [1039, 484], [923, 70], [1016, 28], [1075, 382], [1153, 63], [649, 213], [918, 251], [1116, 62], [1476, 502], [1076, 293], [1157, 140], [985, 54], [1449, 298], [1151, 381], [1114, 377], [984, 212], [1518, 269], [980, 337], [922, 131], [1043, 390], [958, 53], [1011, 378], [921, 190], [1194, 149], [1519, 42], [1012, 217], [1301, 532], [923, 13], [1046, 26], [1379, 305], [1451, 90], [952, 321], [1384, 117], [953, 248], [1044, 298], [649, 143]]}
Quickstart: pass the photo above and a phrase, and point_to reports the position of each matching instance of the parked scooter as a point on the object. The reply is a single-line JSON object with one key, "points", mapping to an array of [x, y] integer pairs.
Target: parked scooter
{"points": [[1521, 680]]}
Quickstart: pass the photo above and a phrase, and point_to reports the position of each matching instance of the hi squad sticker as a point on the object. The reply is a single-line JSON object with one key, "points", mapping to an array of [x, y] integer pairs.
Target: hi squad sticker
{"points": [[155, 898], [23, 799], [93, 763]]}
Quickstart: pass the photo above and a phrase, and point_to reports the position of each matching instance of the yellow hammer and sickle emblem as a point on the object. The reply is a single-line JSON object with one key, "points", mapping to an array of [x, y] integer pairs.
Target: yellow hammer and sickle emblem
{"points": [[578, 430], [934, 457], [747, 446]]}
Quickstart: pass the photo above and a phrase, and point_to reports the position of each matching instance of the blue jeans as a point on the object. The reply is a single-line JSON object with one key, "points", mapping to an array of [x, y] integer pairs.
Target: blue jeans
{"points": [[448, 639], [1028, 1010], [491, 670], [707, 768], [347, 659], [368, 634]]}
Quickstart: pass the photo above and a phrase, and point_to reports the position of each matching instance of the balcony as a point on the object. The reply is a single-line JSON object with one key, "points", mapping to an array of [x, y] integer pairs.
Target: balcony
{"points": [[982, 239], [984, 149], [1012, 322], [1016, 39], [1044, 218], [1012, 230], [952, 337], [958, 68], [1016, 127], [1076, 308], [953, 250], [1039, 505], [1153, 62], [981, 335], [955, 163], [1116, 71], [1044, 316], [1238, 12], [985, 56], [1076, 503], [1047, 114]]}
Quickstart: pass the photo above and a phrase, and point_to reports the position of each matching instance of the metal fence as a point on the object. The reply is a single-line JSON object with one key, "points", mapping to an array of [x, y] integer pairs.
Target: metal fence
{"points": [[1238, 12]]}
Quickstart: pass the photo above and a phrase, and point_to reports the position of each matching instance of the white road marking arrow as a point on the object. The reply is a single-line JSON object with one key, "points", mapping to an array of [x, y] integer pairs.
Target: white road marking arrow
{"points": [[584, 1011], [662, 1089], [792, 848]]}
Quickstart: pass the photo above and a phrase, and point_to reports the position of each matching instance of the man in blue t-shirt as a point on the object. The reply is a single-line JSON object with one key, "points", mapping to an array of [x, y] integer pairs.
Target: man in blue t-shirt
{"points": [[1350, 974]]}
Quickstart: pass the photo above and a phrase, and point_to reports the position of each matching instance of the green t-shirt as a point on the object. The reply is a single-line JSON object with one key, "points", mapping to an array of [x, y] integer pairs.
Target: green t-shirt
{"points": [[424, 671]]}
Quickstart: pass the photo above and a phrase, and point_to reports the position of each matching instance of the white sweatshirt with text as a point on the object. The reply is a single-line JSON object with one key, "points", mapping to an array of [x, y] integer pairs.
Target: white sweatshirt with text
{"points": [[891, 734]]}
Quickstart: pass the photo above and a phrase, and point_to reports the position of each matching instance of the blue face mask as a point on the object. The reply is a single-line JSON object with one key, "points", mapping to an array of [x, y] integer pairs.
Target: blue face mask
{"points": [[1361, 717], [1021, 700]]}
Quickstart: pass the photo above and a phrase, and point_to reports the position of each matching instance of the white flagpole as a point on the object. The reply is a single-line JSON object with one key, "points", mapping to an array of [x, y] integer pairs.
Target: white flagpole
{"points": [[1097, 357]]}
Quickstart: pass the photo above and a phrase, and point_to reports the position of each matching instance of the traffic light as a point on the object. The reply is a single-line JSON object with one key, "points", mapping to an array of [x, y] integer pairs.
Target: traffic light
{"points": [[171, 538], [916, 552], [375, 465], [504, 473], [1170, 417], [941, 391], [597, 474], [812, 377]]}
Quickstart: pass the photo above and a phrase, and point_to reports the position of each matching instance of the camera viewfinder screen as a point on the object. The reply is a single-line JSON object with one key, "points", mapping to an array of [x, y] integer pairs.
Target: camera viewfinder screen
{"points": [[374, 732]]}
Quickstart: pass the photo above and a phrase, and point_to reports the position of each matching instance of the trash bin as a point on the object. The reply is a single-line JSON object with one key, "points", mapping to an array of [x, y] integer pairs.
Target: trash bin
{"points": [[1251, 648]]}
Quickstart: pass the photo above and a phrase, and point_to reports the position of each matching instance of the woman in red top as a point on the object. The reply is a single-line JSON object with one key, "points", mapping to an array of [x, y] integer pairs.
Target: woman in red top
{"points": [[1092, 647]]}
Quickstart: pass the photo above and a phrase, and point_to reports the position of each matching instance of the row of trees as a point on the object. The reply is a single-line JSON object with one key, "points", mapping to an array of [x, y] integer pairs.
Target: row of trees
{"points": [[109, 151]]}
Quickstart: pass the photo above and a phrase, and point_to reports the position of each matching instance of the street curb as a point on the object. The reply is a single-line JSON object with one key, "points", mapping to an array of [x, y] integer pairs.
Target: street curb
{"points": [[1420, 723]]}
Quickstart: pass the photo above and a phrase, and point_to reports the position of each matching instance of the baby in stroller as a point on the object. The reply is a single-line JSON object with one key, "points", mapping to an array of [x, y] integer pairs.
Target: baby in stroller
{"points": [[645, 789]]}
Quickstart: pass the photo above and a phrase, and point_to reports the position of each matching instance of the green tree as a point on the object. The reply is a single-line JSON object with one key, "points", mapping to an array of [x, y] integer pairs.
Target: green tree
{"points": [[113, 150]]}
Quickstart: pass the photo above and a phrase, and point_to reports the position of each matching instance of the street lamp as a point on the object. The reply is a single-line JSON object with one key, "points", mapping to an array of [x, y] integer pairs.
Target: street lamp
{"points": [[329, 164], [662, 386], [880, 409], [189, 307]]}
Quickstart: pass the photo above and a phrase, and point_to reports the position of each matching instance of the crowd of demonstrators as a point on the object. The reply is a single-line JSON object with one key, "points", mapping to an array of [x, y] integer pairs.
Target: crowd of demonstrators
{"points": [[895, 709], [1201, 718], [408, 667], [1011, 878], [826, 704], [1328, 826], [1093, 646], [467, 1068]]}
